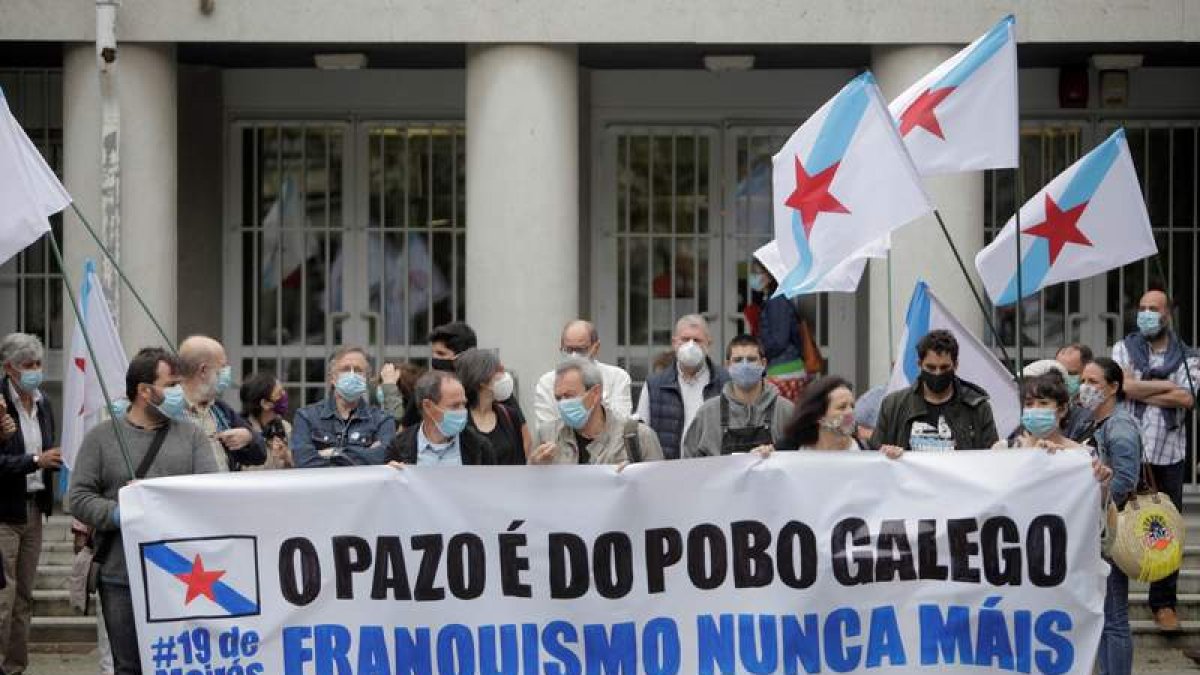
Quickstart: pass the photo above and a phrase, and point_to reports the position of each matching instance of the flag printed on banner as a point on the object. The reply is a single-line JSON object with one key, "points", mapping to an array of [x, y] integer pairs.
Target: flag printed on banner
{"points": [[963, 115], [1090, 219], [841, 182], [83, 399], [204, 578], [29, 191], [976, 363]]}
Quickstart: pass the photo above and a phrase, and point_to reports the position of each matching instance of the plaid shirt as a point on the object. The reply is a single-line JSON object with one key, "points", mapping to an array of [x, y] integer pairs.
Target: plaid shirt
{"points": [[205, 417], [1162, 446]]}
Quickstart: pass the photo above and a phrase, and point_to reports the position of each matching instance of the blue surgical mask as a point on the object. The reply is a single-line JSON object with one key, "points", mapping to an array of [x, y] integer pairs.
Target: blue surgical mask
{"points": [[224, 379], [174, 405], [757, 282], [1072, 385], [350, 386], [1149, 323], [453, 422], [573, 412], [1039, 421], [31, 379], [118, 408], [746, 375]]}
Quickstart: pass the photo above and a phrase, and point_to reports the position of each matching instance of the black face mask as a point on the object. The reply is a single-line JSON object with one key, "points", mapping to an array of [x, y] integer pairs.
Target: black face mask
{"points": [[937, 384], [444, 365]]}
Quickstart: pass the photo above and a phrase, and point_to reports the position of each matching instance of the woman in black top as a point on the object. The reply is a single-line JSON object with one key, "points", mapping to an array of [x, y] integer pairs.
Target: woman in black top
{"points": [[488, 386]]}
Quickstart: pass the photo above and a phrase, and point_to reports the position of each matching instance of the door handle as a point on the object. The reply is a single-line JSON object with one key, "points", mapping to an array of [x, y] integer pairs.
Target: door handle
{"points": [[374, 333], [331, 319], [1115, 320], [1073, 321]]}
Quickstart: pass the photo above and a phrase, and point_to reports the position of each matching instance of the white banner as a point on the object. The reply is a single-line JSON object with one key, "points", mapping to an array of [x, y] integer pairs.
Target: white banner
{"points": [[803, 562]]}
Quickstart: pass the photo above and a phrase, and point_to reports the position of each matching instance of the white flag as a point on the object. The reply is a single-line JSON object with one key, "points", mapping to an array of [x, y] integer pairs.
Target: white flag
{"points": [[963, 115], [1090, 219], [83, 400], [976, 363], [29, 191], [842, 182]]}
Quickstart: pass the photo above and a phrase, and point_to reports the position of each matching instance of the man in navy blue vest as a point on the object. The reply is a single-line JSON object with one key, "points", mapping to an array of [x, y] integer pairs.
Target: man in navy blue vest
{"points": [[670, 399]]}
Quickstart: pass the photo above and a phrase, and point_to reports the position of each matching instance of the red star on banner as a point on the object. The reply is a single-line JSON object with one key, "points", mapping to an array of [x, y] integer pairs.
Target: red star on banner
{"points": [[812, 196], [921, 112], [200, 581], [1060, 228]]}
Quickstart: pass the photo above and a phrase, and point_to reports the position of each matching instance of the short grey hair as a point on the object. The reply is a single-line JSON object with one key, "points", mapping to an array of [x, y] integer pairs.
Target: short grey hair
{"points": [[19, 348], [343, 351], [588, 371], [693, 320], [475, 368], [429, 387]]}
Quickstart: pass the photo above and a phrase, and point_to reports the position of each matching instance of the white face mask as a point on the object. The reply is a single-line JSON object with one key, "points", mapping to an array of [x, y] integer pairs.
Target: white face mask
{"points": [[1091, 396], [502, 387], [690, 354]]}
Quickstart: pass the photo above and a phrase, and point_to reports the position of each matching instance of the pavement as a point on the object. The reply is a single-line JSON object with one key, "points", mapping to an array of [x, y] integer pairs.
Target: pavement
{"points": [[1164, 662]]}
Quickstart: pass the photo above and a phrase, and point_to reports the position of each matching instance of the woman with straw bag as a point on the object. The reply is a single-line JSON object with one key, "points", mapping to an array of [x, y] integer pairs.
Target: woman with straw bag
{"points": [[1119, 443]]}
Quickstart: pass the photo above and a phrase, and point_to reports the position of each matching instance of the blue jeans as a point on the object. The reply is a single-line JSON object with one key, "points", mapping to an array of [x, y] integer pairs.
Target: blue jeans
{"points": [[1116, 641]]}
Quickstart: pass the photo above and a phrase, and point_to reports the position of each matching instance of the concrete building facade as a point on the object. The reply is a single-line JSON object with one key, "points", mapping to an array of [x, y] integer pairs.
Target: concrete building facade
{"points": [[515, 165]]}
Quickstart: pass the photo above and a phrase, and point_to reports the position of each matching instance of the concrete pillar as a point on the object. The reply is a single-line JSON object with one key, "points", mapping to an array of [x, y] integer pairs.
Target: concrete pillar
{"points": [[919, 250], [522, 202], [146, 87]]}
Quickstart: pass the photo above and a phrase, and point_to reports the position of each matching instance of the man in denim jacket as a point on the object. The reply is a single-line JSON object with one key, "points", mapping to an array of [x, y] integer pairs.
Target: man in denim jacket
{"points": [[344, 429]]}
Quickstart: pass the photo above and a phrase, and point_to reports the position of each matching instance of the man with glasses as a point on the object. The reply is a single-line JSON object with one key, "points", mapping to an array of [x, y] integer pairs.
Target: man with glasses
{"points": [[579, 338], [749, 413], [344, 429]]}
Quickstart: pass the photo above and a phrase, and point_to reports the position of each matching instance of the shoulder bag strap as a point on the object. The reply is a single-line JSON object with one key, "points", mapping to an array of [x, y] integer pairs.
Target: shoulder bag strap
{"points": [[155, 446], [724, 414]]}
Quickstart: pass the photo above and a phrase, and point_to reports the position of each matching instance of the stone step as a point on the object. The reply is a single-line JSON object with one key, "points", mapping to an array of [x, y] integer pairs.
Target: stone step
{"points": [[57, 553], [57, 603], [52, 577], [63, 630], [1189, 583], [57, 528]]}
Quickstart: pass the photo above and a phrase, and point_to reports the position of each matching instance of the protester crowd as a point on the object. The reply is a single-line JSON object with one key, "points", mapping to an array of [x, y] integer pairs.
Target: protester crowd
{"points": [[1126, 410]]}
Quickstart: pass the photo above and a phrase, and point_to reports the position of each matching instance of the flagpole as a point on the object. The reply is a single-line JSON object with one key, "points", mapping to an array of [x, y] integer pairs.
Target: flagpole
{"points": [[891, 336], [987, 315], [1020, 290], [120, 273], [87, 340]]}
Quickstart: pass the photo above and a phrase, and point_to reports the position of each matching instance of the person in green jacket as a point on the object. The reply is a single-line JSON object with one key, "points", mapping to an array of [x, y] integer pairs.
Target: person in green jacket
{"points": [[940, 411]]}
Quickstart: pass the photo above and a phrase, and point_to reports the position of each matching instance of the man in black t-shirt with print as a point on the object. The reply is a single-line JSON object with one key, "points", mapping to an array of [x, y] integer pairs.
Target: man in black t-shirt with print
{"points": [[940, 411]]}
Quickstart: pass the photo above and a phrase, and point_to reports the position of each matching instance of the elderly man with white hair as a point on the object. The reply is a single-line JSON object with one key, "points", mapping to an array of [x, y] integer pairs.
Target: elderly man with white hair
{"points": [[588, 430], [1077, 425], [670, 399], [28, 456]]}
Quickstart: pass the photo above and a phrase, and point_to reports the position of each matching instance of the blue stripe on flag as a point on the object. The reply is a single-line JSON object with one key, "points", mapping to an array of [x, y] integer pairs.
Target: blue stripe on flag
{"points": [[1081, 188], [1034, 268], [917, 323], [1091, 172], [174, 564], [89, 268], [840, 124], [984, 51], [793, 282]]}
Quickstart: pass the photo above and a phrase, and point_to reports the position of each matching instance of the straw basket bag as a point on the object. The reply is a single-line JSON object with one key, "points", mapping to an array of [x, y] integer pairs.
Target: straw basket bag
{"points": [[1149, 537]]}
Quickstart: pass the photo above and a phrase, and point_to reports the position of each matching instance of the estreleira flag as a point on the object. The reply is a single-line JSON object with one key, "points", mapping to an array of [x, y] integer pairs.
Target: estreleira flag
{"points": [[1091, 218], [287, 242], [976, 363], [841, 182], [29, 191], [843, 278], [963, 115], [83, 400]]}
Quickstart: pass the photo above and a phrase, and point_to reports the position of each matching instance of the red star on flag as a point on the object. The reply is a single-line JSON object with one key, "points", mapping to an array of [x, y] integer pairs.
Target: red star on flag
{"points": [[81, 364], [1060, 228], [812, 196], [921, 112], [200, 581]]}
